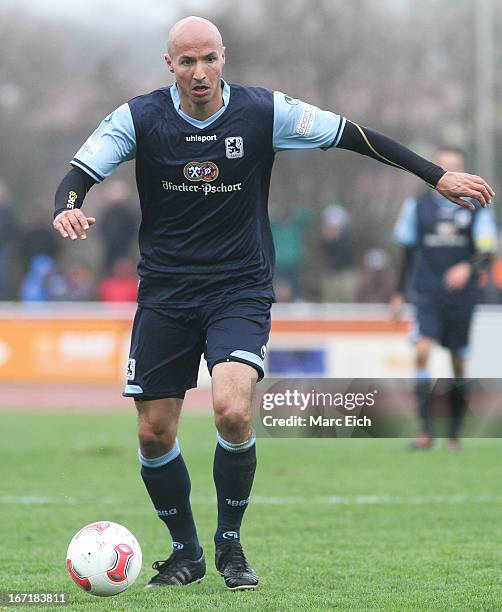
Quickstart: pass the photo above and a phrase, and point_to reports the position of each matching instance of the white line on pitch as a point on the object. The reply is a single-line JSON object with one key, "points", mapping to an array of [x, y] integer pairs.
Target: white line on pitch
{"points": [[33, 500]]}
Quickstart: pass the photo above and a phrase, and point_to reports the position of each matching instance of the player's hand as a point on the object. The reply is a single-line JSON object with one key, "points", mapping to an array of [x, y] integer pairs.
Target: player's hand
{"points": [[73, 224], [457, 277], [396, 306], [454, 185]]}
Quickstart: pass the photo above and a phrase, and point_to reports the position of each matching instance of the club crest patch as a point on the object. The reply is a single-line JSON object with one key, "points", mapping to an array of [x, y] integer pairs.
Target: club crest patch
{"points": [[131, 369], [234, 147]]}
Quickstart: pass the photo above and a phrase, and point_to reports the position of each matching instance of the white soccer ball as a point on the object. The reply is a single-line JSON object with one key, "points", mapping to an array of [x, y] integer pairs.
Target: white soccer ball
{"points": [[104, 558]]}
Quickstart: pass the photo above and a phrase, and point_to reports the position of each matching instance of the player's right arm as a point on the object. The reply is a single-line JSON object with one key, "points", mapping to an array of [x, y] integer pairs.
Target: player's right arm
{"points": [[113, 142], [405, 234]]}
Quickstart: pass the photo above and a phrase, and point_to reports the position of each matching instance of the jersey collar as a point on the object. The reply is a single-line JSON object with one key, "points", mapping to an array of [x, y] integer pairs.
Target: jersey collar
{"points": [[195, 122]]}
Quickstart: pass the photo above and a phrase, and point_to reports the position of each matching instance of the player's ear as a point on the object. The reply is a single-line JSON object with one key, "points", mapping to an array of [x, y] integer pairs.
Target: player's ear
{"points": [[223, 49], [169, 62]]}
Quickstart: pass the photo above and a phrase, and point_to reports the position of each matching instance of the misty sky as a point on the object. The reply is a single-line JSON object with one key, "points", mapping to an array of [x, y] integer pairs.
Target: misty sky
{"points": [[112, 13], [132, 14]]}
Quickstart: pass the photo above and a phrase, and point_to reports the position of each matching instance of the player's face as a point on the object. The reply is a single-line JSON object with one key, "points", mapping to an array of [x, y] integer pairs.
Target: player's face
{"points": [[197, 65], [451, 161]]}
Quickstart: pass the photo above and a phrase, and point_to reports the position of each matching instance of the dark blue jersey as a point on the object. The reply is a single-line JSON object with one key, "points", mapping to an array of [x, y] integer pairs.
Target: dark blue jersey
{"points": [[203, 195], [443, 234], [203, 186]]}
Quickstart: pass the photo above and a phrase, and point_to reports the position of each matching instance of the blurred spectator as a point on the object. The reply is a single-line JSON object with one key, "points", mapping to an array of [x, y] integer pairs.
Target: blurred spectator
{"points": [[497, 272], [283, 290], [492, 287], [121, 285], [377, 278], [42, 282], [338, 283], [118, 223], [289, 228], [79, 283], [7, 231], [38, 238]]}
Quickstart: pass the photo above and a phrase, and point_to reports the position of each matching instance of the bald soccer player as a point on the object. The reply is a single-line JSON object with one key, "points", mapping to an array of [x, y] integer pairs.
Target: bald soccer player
{"points": [[204, 151]]}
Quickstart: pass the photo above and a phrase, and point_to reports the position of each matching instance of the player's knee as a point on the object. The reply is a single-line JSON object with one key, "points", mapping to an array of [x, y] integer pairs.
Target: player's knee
{"points": [[155, 440], [422, 355], [233, 423], [458, 366], [421, 361]]}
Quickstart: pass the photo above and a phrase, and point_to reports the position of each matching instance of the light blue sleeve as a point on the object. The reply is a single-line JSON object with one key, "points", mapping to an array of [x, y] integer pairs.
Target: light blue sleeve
{"points": [[298, 125], [405, 231], [484, 231], [113, 142]]}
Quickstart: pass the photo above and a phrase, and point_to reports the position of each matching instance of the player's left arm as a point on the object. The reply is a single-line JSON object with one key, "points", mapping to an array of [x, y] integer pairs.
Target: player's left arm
{"points": [[301, 125], [452, 185]]}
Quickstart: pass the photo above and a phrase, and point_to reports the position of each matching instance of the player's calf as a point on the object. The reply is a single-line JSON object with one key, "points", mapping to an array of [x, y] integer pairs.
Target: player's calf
{"points": [[168, 484]]}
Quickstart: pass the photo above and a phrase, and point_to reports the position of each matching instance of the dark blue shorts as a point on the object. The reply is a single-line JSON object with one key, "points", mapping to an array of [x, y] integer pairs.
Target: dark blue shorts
{"points": [[445, 323], [167, 344]]}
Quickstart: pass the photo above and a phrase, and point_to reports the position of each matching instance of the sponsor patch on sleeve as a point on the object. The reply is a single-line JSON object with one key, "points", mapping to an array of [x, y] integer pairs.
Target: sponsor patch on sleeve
{"points": [[91, 147], [306, 121]]}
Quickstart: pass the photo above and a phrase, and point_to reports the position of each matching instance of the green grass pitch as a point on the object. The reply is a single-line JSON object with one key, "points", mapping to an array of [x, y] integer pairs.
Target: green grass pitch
{"points": [[334, 525]]}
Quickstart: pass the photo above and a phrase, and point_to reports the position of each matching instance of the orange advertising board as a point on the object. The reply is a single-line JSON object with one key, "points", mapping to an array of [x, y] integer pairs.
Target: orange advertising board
{"points": [[69, 350], [90, 343]]}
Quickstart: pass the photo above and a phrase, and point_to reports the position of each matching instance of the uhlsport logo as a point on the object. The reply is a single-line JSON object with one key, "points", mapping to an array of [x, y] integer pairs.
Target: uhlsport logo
{"points": [[201, 171], [178, 546], [198, 138], [292, 101], [230, 535]]}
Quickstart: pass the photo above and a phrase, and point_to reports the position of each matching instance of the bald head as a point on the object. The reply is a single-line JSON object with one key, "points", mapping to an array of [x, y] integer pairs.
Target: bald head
{"points": [[192, 31], [196, 57]]}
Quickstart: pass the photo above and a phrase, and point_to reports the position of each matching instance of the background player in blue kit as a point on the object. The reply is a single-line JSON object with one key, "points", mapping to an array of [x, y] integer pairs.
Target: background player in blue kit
{"points": [[444, 248], [204, 151]]}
